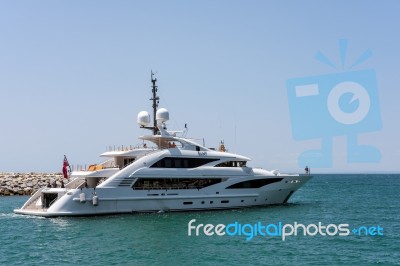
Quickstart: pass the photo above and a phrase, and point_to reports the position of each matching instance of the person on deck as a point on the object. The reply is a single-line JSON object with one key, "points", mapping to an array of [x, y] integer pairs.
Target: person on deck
{"points": [[307, 170]]}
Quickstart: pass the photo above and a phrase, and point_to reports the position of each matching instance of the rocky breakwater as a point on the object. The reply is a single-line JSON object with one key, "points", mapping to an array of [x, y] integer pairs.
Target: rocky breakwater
{"points": [[26, 183]]}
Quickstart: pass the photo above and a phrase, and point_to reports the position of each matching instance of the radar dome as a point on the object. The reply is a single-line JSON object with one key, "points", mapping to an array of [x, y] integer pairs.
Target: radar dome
{"points": [[162, 115], [143, 118]]}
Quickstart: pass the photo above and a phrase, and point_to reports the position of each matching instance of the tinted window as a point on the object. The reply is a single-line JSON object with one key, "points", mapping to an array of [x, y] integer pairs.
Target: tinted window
{"points": [[257, 183], [177, 162], [232, 164], [174, 183]]}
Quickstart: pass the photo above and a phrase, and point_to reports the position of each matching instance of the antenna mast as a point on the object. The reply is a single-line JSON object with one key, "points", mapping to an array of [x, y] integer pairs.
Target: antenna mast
{"points": [[156, 101]]}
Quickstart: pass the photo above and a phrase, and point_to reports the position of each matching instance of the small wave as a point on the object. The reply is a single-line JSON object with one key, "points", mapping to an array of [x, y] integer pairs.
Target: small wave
{"points": [[19, 216]]}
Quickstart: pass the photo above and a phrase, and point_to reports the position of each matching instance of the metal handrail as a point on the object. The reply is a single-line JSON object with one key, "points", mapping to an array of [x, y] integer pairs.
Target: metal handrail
{"points": [[51, 203]]}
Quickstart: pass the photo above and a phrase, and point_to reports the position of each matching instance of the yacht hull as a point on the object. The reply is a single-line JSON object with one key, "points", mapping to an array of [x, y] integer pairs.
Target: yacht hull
{"points": [[72, 203]]}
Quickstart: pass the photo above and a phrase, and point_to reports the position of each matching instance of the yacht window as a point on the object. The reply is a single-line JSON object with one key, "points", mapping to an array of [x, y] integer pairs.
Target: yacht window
{"points": [[178, 162], [232, 164], [257, 183], [168, 163], [174, 183]]}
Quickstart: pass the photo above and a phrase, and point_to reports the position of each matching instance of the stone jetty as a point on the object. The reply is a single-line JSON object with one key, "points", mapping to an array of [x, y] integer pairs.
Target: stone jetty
{"points": [[26, 183]]}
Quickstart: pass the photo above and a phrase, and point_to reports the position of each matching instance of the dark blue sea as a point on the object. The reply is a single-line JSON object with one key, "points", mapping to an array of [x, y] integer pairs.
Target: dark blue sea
{"points": [[368, 204]]}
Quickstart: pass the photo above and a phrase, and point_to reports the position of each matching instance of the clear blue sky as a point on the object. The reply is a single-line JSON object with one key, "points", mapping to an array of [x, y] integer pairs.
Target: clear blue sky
{"points": [[74, 75]]}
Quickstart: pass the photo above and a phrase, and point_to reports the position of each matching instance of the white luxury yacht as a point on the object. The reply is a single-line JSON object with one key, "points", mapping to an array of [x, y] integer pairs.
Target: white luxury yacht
{"points": [[177, 174]]}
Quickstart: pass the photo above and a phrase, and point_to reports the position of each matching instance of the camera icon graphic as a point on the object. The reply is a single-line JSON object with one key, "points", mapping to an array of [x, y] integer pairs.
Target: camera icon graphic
{"points": [[325, 106]]}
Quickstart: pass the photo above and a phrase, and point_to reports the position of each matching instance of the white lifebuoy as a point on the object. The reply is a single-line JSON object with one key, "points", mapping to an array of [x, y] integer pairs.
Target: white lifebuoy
{"points": [[82, 197], [95, 200]]}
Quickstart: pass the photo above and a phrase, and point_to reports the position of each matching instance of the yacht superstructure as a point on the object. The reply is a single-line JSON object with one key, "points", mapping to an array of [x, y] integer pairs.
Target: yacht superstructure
{"points": [[177, 174]]}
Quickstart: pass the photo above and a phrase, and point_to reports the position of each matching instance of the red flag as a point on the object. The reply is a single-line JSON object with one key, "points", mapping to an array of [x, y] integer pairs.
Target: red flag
{"points": [[65, 165]]}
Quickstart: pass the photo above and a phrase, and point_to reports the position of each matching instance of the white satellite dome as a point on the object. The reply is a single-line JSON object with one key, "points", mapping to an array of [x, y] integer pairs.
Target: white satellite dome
{"points": [[143, 118], [162, 115]]}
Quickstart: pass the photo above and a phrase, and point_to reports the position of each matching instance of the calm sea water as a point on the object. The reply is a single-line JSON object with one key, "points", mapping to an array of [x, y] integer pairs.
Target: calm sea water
{"points": [[162, 239]]}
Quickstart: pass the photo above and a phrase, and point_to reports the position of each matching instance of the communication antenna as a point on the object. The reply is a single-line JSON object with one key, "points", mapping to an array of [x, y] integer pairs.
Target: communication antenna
{"points": [[156, 101], [144, 117]]}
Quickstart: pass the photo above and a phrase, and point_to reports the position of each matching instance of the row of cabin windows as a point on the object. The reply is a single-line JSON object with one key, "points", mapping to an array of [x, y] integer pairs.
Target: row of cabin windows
{"points": [[211, 202], [174, 183], [257, 183], [232, 164], [177, 162], [193, 183]]}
